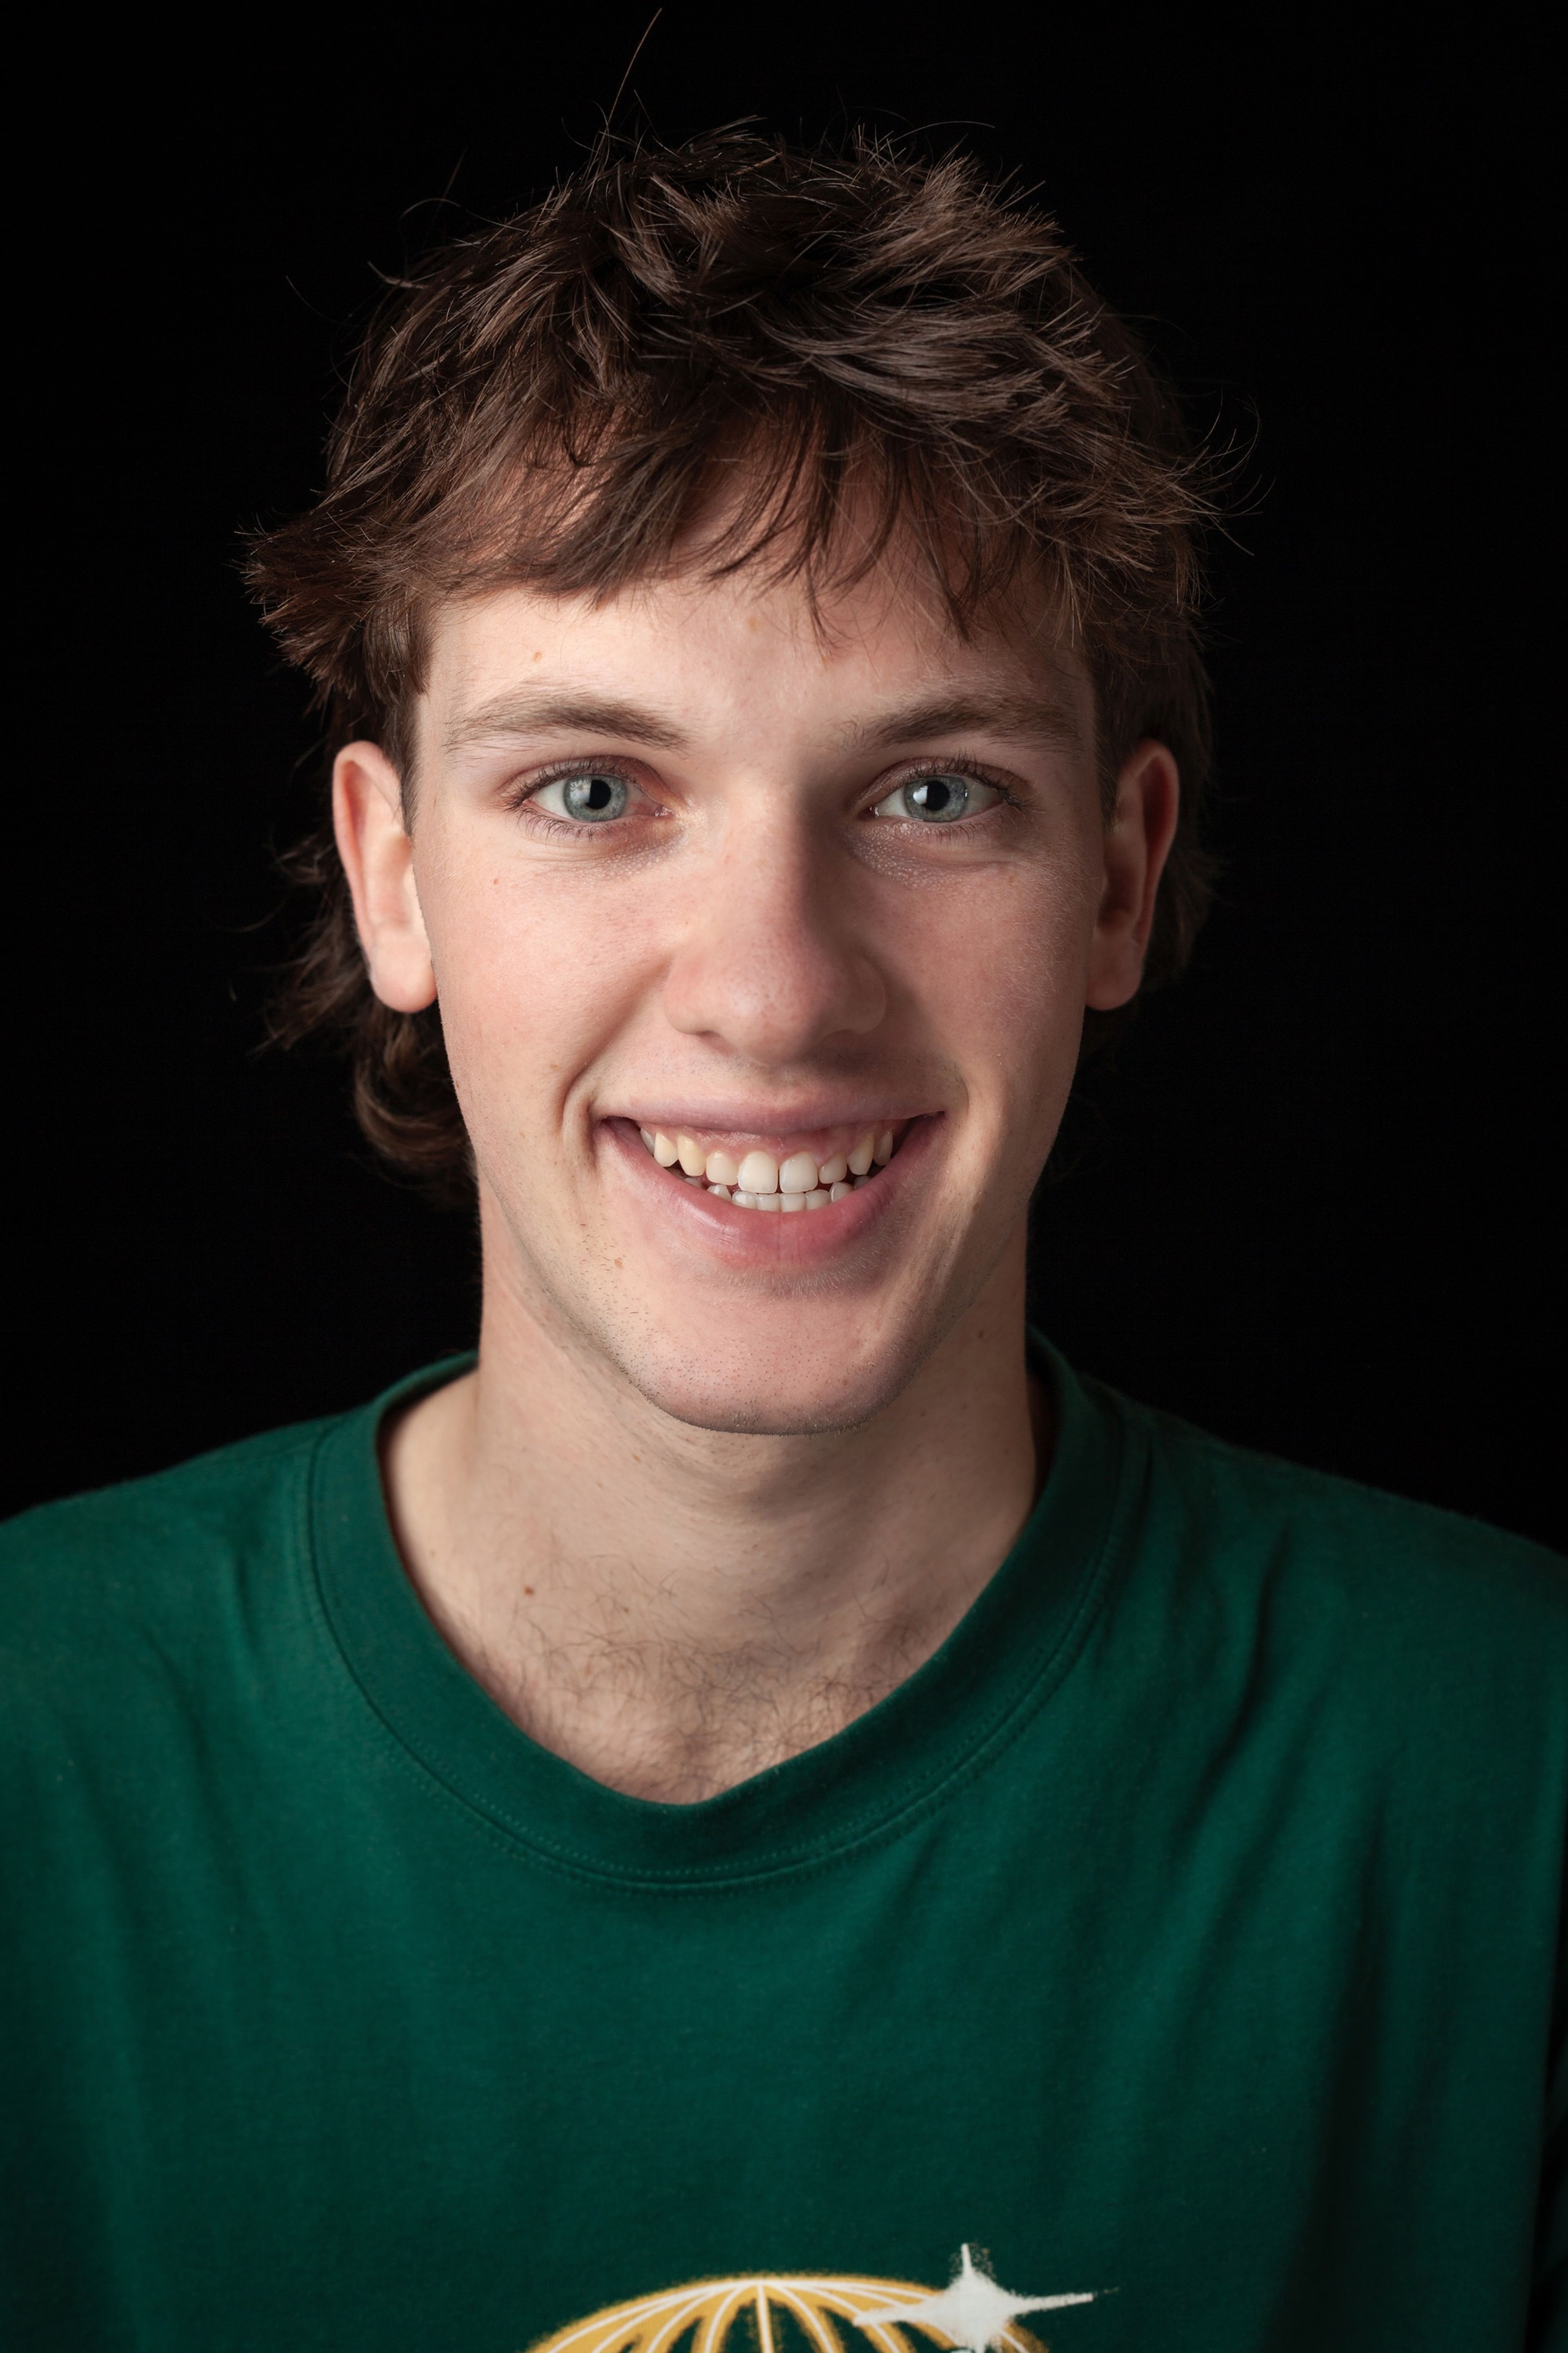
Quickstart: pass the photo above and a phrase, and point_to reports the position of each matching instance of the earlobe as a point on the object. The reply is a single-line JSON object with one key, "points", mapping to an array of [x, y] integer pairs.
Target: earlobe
{"points": [[378, 855], [1137, 845]]}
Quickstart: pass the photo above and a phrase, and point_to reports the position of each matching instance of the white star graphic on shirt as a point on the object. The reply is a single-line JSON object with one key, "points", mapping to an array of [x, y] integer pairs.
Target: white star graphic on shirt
{"points": [[973, 2311]]}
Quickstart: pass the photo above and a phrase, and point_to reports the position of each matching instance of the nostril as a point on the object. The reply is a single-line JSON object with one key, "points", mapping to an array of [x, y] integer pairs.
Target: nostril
{"points": [[773, 980]]}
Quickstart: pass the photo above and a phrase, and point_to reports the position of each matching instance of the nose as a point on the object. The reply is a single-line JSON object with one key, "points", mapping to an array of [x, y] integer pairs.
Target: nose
{"points": [[769, 961]]}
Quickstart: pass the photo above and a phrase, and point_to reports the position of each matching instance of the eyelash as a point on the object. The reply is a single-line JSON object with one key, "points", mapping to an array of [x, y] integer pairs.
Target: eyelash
{"points": [[961, 766], [521, 795]]}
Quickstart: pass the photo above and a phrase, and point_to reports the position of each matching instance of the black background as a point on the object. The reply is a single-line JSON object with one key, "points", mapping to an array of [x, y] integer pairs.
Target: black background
{"points": [[1314, 1205]]}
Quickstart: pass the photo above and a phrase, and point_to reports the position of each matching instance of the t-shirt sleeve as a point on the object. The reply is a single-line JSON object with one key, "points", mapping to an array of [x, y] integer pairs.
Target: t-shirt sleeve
{"points": [[1549, 2308]]}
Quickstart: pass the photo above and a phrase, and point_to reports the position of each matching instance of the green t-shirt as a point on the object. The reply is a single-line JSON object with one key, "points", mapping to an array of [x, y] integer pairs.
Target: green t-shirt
{"points": [[1187, 1931]]}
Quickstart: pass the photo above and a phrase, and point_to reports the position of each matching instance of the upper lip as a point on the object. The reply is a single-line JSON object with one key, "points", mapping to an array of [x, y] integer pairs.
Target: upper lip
{"points": [[764, 1120]]}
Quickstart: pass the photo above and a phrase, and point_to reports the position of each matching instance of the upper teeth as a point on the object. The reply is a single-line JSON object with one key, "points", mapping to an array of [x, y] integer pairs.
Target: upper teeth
{"points": [[759, 1181]]}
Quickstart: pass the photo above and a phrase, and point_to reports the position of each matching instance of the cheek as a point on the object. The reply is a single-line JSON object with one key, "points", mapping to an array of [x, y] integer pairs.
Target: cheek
{"points": [[535, 975], [1014, 971]]}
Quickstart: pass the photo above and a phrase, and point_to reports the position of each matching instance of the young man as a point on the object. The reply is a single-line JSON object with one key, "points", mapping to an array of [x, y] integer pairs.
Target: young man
{"points": [[765, 1811]]}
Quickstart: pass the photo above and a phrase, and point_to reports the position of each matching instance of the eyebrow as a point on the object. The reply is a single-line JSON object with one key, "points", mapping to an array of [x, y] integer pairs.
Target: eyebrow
{"points": [[525, 711], [1031, 718]]}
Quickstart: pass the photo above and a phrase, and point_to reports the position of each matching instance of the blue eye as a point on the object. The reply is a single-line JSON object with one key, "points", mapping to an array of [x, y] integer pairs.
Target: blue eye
{"points": [[937, 800], [591, 798]]}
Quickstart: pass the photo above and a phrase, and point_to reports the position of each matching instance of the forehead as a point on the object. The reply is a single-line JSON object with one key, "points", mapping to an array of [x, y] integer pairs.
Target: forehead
{"points": [[715, 652]]}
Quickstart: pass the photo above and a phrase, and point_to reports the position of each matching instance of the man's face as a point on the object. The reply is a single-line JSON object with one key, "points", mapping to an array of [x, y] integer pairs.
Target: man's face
{"points": [[689, 870]]}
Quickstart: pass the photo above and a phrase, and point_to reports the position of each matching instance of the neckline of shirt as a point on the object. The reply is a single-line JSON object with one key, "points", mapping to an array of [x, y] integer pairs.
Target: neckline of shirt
{"points": [[886, 1770]]}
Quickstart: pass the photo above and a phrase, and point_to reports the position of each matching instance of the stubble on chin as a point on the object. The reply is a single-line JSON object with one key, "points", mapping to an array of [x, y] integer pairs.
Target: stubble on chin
{"points": [[826, 1385]]}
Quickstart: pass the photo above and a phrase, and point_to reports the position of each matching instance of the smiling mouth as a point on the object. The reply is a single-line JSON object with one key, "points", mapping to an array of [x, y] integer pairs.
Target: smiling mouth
{"points": [[759, 1179]]}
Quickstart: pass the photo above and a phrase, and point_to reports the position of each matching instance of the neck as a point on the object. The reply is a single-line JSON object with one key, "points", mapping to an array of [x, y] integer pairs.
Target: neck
{"points": [[672, 1610]]}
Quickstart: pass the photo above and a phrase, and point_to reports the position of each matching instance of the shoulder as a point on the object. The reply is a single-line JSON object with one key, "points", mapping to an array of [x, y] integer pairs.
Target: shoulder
{"points": [[139, 1565], [1419, 1597]]}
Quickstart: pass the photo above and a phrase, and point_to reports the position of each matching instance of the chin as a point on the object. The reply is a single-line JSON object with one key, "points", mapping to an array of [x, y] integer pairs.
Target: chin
{"points": [[739, 1359]]}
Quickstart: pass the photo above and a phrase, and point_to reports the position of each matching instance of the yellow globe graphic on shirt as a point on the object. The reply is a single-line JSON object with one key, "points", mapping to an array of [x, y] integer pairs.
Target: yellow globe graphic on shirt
{"points": [[797, 2312]]}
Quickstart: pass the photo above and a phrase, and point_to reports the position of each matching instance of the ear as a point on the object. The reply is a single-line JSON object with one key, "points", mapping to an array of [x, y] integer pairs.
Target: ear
{"points": [[1137, 843], [378, 854]]}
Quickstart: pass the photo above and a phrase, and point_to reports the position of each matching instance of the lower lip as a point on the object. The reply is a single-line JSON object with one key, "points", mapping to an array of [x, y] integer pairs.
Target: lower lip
{"points": [[754, 1238]]}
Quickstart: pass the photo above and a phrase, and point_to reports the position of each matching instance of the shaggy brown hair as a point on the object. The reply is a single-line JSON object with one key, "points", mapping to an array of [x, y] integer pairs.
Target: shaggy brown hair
{"points": [[838, 336]]}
